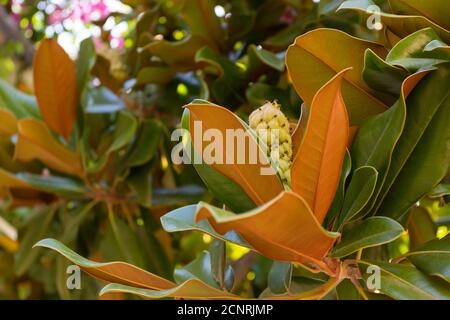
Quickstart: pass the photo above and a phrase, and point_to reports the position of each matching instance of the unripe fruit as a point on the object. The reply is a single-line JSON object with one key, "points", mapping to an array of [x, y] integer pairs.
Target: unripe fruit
{"points": [[266, 121]]}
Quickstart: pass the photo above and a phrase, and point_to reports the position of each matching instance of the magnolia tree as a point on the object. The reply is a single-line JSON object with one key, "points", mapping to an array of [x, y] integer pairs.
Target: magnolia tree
{"points": [[225, 154]]}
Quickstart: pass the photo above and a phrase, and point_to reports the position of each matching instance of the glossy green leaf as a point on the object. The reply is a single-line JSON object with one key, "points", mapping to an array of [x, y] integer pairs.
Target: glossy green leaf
{"points": [[347, 291], [183, 219], [433, 258], [267, 58], [53, 184], [367, 233], [358, 194], [435, 10], [400, 25], [442, 189], [280, 277], [229, 77], [199, 269], [410, 52], [120, 242], [338, 201], [146, 144], [404, 282], [421, 159], [377, 137], [382, 76], [19, 103], [103, 100], [84, 64], [125, 128], [437, 45]]}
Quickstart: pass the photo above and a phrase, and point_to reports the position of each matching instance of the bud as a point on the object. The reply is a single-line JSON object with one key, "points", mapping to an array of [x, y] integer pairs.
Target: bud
{"points": [[266, 119]]}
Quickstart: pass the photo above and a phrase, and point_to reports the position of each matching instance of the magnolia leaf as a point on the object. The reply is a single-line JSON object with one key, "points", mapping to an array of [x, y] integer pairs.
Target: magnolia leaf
{"points": [[421, 227], [118, 272], [296, 235], [55, 85], [435, 10], [228, 191], [9, 180], [358, 194], [410, 52], [300, 129], [377, 137], [280, 277], [440, 190], [420, 160], [203, 22], [84, 64], [267, 58], [155, 74], [258, 186], [183, 219], [371, 232], [319, 55], [36, 142], [19, 103], [38, 227], [125, 128], [190, 289], [320, 157], [57, 185], [400, 25], [382, 76], [433, 258], [338, 200], [404, 282], [436, 45], [8, 125], [146, 144]]}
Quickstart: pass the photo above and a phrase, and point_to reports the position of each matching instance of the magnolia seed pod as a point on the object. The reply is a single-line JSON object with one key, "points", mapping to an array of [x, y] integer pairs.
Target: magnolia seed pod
{"points": [[269, 122]]}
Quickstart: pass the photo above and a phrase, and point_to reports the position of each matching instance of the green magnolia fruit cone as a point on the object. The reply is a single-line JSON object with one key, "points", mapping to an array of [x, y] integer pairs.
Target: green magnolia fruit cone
{"points": [[269, 122]]}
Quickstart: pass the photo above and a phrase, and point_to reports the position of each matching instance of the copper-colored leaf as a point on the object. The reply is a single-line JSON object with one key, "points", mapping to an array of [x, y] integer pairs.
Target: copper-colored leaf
{"points": [[116, 272], [259, 187], [36, 142], [8, 123], [55, 86], [319, 55], [317, 165], [284, 229]]}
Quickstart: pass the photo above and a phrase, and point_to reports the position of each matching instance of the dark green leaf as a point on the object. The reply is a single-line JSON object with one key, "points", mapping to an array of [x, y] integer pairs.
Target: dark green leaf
{"points": [[367, 233]]}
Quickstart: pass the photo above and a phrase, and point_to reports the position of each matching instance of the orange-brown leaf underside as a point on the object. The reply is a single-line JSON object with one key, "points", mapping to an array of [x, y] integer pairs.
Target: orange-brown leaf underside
{"points": [[284, 229], [260, 188], [55, 86], [317, 165]]}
